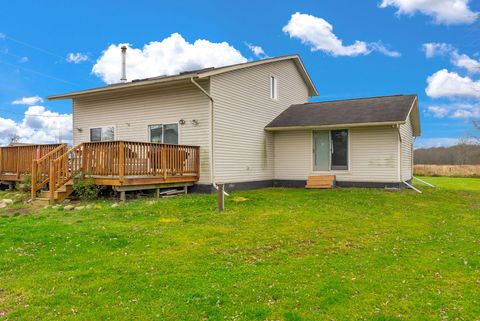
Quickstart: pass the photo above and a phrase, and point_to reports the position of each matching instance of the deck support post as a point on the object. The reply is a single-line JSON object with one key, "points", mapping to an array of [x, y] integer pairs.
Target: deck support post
{"points": [[122, 196], [157, 192], [221, 198]]}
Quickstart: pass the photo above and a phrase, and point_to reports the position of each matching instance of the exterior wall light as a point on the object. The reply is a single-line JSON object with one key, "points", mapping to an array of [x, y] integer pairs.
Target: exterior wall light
{"points": [[194, 122], [181, 122]]}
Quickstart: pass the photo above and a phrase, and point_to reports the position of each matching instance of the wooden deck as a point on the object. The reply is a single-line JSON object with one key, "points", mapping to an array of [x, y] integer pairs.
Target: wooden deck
{"points": [[16, 161], [115, 163]]}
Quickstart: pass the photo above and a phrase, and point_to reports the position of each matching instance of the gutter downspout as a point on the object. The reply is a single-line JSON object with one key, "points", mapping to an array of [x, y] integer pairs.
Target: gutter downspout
{"points": [[212, 165]]}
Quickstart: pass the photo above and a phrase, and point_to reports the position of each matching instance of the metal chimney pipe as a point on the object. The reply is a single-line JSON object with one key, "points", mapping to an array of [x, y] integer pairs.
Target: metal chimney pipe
{"points": [[124, 63]]}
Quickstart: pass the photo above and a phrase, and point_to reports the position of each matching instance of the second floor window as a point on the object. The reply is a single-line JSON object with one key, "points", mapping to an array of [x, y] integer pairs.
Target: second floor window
{"points": [[273, 88]]}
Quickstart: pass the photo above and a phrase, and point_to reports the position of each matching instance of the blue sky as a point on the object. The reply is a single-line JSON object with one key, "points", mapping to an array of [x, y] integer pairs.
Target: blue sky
{"points": [[351, 49]]}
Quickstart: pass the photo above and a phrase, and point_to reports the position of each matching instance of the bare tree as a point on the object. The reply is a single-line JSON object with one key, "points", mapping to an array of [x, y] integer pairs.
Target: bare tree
{"points": [[476, 135], [14, 138]]}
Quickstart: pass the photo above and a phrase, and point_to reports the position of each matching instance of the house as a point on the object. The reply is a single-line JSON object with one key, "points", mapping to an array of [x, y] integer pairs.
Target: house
{"points": [[254, 126]]}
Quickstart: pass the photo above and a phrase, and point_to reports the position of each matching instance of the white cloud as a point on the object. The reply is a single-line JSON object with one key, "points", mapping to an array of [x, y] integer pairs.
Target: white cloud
{"points": [[257, 50], [39, 125], [28, 100], [459, 60], [23, 59], [464, 61], [467, 113], [435, 142], [2, 35], [438, 111], [76, 57], [434, 49], [318, 34], [442, 11], [455, 110], [450, 84], [378, 46], [170, 56]]}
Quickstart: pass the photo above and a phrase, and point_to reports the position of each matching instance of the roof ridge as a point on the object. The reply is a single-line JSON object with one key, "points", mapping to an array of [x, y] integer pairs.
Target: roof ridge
{"points": [[359, 98]]}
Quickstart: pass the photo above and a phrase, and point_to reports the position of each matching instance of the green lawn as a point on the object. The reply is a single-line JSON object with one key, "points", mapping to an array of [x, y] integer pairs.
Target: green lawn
{"points": [[282, 254]]}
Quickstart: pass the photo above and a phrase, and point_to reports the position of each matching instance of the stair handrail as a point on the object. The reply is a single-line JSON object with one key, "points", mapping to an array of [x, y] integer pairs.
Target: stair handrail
{"points": [[62, 169], [40, 168]]}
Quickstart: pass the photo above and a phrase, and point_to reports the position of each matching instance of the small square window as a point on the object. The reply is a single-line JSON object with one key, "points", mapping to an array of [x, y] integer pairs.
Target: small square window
{"points": [[102, 134], [166, 134]]}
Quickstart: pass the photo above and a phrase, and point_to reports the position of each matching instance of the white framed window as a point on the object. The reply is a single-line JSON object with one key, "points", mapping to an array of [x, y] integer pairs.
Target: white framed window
{"points": [[102, 134], [273, 88], [163, 133]]}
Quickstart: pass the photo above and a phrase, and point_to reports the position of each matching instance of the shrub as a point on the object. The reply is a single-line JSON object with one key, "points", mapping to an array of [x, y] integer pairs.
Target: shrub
{"points": [[85, 187], [26, 184]]}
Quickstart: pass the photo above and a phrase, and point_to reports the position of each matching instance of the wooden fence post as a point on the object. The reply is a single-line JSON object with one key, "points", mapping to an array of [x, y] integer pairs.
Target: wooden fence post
{"points": [[17, 163], [221, 198], [34, 178], [1, 160], [52, 181], [121, 161]]}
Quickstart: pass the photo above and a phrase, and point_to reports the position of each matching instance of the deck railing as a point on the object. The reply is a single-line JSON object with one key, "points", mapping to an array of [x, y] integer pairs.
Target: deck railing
{"points": [[17, 160], [41, 168], [121, 159]]}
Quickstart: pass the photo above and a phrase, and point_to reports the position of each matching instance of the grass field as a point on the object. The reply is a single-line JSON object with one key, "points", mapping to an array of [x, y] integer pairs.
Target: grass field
{"points": [[448, 170], [274, 254]]}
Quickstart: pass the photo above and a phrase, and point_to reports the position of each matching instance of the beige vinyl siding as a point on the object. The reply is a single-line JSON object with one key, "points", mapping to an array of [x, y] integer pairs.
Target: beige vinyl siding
{"points": [[406, 133], [131, 114], [243, 151], [373, 155]]}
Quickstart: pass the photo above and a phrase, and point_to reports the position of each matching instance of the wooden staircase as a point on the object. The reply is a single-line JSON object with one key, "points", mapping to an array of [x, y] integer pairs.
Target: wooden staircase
{"points": [[52, 171], [60, 194], [321, 182]]}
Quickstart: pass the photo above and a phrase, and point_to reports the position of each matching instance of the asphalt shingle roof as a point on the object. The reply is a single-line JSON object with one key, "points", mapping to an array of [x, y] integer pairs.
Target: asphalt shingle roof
{"points": [[352, 111]]}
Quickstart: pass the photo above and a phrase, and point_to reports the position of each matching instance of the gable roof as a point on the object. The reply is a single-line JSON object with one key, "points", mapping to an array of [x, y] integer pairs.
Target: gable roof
{"points": [[201, 73], [371, 111]]}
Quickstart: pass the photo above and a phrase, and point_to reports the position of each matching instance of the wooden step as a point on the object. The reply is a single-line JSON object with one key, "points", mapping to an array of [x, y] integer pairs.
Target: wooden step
{"points": [[325, 181], [60, 194]]}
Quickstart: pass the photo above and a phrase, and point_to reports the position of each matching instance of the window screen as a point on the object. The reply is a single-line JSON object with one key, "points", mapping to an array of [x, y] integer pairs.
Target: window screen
{"points": [[167, 134], [101, 134]]}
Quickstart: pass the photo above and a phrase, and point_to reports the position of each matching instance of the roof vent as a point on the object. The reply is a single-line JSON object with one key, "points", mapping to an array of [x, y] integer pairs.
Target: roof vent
{"points": [[124, 62]]}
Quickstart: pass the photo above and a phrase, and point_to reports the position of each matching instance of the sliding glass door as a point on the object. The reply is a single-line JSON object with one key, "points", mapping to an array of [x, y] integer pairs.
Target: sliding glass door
{"points": [[339, 149], [330, 150], [321, 141]]}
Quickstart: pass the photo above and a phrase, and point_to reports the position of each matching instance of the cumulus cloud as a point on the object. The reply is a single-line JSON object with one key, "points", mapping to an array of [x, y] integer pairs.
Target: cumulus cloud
{"points": [[318, 34], [170, 56], [442, 11], [448, 84], [76, 57], [38, 125], [23, 60], [28, 100], [257, 50]]}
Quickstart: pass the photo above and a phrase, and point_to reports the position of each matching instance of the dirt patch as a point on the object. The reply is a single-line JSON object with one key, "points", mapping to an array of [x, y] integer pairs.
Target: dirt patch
{"points": [[11, 212]]}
